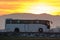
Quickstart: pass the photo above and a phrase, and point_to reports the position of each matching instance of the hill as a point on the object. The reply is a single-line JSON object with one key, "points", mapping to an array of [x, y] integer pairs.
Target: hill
{"points": [[54, 19]]}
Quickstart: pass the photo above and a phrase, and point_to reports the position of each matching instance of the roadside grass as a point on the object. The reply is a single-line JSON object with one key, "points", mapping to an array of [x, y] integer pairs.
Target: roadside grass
{"points": [[25, 38]]}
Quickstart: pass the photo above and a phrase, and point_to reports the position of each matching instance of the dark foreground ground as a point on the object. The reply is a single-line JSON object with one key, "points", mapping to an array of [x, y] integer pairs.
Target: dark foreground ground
{"points": [[27, 38], [17, 36]]}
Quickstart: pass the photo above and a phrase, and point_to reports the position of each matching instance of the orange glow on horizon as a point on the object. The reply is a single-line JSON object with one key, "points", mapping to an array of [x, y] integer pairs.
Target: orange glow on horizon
{"points": [[30, 6]]}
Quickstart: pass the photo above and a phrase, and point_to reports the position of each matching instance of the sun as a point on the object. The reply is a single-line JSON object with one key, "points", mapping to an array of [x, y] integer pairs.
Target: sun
{"points": [[41, 8]]}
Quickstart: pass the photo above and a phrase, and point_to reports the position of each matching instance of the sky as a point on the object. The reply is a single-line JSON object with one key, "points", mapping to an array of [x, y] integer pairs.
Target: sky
{"points": [[30, 6]]}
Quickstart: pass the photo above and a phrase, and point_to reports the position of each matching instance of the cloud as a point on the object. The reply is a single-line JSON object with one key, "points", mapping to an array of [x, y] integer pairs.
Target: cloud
{"points": [[22, 0], [10, 6], [9, 0], [23, 5]]}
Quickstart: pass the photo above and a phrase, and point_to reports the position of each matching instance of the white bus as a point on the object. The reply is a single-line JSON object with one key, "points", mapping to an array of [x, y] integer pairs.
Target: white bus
{"points": [[18, 25]]}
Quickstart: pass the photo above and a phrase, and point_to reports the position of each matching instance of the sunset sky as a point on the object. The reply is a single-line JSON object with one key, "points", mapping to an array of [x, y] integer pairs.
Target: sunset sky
{"points": [[30, 6]]}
